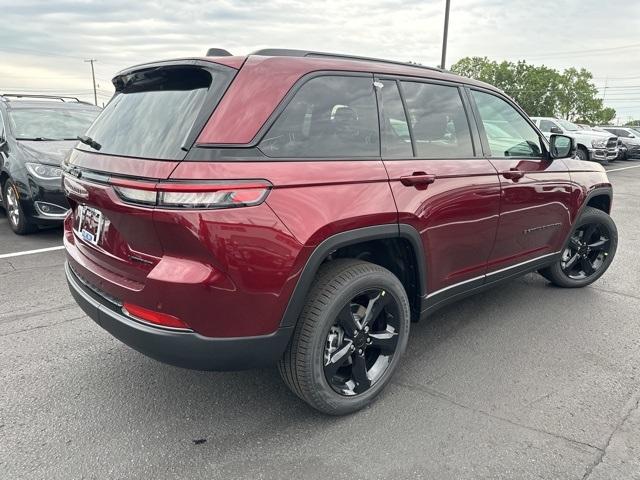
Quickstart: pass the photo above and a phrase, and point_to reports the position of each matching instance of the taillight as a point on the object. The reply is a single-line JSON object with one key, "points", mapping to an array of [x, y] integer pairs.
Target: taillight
{"points": [[227, 194], [151, 316]]}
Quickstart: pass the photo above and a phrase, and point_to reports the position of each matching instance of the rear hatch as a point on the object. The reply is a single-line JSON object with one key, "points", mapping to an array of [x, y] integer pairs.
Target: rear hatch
{"points": [[139, 138]]}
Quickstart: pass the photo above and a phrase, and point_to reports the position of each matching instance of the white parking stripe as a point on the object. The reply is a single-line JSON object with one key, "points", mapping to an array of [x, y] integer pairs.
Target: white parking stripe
{"points": [[623, 168], [30, 252]]}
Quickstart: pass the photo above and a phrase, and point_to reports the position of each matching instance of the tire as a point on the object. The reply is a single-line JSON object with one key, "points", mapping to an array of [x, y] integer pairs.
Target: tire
{"points": [[16, 217], [345, 285], [599, 254], [582, 154]]}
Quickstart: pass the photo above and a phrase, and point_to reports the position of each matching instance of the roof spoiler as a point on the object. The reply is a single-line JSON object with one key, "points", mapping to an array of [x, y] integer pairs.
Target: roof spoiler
{"points": [[218, 52]]}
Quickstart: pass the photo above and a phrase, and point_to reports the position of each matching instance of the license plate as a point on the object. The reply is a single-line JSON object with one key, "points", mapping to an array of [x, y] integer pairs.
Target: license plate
{"points": [[90, 221]]}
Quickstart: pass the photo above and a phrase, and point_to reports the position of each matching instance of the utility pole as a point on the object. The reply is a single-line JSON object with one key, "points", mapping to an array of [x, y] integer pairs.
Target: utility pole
{"points": [[446, 34], [93, 76]]}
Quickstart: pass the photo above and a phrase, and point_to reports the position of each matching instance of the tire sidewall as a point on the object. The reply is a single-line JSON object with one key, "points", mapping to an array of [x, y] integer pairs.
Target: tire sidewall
{"points": [[344, 404]]}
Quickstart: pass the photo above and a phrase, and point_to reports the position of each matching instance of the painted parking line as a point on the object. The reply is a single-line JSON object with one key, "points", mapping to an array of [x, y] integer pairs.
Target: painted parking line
{"points": [[30, 252], [622, 168]]}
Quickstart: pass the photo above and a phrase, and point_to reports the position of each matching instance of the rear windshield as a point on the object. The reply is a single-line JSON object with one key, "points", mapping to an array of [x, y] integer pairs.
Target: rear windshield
{"points": [[154, 111], [50, 123]]}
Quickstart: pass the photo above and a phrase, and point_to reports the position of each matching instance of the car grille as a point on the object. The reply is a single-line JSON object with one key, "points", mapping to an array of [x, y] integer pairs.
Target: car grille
{"points": [[612, 142]]}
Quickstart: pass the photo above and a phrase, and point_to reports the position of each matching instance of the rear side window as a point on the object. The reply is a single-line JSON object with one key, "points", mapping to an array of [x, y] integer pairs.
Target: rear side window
{"points": [[438, 120], [328, 117], [396, 140], [153, 111]]}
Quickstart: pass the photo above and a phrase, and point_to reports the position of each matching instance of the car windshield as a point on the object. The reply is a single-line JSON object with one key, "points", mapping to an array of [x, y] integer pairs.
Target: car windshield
{"points": [[571, 127], [50, 123]]}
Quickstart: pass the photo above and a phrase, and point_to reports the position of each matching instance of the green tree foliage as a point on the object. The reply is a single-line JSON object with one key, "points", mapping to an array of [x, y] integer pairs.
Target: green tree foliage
{"points": [[541, 91], [633, 123]]}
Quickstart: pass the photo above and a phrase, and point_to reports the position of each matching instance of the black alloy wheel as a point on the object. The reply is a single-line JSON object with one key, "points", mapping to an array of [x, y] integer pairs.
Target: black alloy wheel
{"points": [[587, 251], [361, 343]]}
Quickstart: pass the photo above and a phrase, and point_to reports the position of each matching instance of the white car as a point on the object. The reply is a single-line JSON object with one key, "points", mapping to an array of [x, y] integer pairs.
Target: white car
{"points": [[593, 145]]}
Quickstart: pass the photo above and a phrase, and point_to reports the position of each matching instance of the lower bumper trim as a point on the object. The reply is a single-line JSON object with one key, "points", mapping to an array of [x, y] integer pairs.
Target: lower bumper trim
{"points": [[182, 349]]}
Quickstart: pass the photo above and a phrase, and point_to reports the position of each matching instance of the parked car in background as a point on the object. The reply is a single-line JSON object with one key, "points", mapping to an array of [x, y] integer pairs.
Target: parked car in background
{"points": [[36, 134], [309, 223], [630, 139], [591, 144]]}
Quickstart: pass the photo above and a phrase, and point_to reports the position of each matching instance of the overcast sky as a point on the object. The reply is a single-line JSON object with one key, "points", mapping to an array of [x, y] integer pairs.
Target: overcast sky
{"points": [[43, 43]]}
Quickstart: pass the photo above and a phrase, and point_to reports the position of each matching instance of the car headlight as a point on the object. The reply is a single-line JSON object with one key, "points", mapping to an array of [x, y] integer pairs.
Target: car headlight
{"points": [[599, 143], [44, 172]]}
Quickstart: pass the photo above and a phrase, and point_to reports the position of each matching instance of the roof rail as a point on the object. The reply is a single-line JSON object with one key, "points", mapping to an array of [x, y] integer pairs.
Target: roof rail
{"points": [[283, 52], [62, 98]]}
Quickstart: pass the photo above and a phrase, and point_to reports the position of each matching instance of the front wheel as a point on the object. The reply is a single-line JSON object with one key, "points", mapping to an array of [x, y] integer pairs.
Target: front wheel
{"points": [[18, 221], [588, 254], [349, 338]]}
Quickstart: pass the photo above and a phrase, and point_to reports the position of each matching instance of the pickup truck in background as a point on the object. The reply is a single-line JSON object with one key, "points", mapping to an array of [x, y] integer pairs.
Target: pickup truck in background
{"points": [[591, 145]]}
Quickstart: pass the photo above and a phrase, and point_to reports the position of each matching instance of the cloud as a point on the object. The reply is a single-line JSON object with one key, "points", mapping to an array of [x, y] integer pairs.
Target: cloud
{"points": [[43, 43]]}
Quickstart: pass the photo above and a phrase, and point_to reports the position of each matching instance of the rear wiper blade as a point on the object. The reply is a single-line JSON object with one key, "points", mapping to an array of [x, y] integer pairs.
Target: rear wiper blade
{"points": [[89, 141], [37, 139]]}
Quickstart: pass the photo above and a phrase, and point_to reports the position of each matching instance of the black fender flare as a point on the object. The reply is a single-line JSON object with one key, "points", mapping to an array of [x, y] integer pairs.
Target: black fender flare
{"points": [[343, 239]]}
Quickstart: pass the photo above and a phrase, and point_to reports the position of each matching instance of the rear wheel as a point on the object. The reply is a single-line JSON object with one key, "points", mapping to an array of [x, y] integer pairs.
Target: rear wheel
{"points": [[349, 337], [589, 253], [18, 221]]}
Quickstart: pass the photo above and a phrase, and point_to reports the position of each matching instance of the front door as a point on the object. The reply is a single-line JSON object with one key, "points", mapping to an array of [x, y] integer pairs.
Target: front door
{"points": [[535, 203], [441, 188]]}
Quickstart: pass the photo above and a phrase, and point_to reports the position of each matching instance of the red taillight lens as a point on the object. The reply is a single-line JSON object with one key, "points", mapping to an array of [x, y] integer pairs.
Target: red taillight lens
{"points": [[156, 318], [228, 194]]}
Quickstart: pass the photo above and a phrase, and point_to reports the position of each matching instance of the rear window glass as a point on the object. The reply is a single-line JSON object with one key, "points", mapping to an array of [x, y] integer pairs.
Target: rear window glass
{"points": [[153, 111], [329, 117]]}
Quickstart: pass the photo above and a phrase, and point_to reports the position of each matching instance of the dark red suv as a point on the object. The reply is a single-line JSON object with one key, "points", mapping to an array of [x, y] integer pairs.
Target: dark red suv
{"points": [[303, 208]]}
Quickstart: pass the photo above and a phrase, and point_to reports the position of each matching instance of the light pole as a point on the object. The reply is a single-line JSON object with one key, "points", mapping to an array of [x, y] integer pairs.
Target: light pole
{"points": [[446, 33], [93, 76]]}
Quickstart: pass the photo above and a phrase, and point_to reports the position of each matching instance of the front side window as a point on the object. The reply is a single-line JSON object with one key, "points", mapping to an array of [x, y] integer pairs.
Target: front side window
{"points": [[508, 133], [396, 141], [328, 117], [438, 120], [546, 125], [50, 123]]}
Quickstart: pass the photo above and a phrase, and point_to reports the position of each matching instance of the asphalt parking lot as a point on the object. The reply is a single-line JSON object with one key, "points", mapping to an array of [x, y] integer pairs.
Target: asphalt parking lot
{"points": [[524, 381]]}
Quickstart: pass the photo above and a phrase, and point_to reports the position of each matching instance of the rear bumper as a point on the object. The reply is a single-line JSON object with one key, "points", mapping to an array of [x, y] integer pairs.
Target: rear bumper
{"points": [[182, 349]]}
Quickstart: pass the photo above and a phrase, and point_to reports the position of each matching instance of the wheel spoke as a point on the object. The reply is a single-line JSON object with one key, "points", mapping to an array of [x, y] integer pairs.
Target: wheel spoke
{"points": [[359, 372], [571, 262], [586, 266], [348, 321], [375, 307], [385, 341], [338, 359], [601, 244], [588, 233], [574, 243]]}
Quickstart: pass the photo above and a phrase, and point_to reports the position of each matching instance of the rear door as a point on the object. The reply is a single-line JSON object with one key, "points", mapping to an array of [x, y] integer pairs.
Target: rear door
{"points": [[441, 187], [536, 191]]}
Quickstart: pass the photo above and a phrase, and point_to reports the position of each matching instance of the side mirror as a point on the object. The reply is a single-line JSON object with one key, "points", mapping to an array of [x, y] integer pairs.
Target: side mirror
{"points": [[556, 130], [562, 146]]}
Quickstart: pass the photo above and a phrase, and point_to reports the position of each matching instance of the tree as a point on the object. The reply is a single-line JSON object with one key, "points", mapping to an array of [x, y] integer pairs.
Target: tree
{"points": [[541, 91], [633, 123]]}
